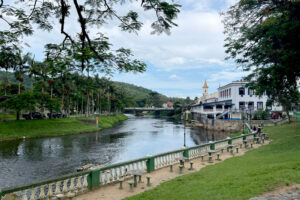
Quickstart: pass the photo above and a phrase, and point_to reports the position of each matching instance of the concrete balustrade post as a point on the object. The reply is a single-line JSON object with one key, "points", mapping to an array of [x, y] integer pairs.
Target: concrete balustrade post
{"points": [[42, 192], [148, 181], [229, 142], [50, 191], [150, 163], [185, 153], [212, 145], [93, 179], [171, 168], [24, 195]]}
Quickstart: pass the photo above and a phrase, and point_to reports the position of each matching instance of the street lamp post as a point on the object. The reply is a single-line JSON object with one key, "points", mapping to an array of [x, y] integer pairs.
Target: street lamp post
{"points": [[184, 142], [243, 120]]}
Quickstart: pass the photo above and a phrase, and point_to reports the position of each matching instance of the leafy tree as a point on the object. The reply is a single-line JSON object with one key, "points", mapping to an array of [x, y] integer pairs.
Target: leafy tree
{"points": [[22, 16], [263, 37], [154, 99], [11, 89], [29, 101]]}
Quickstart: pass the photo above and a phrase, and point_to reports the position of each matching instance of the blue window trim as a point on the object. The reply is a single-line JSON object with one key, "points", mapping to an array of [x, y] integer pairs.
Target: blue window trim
{"points": [[262, 103], [249, 92], [240, 104], [252, 104], [241, 88]]}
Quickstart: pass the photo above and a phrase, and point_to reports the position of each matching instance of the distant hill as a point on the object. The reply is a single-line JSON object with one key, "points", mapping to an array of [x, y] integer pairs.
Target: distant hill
{"points": [[136, 92], [12, 79]]}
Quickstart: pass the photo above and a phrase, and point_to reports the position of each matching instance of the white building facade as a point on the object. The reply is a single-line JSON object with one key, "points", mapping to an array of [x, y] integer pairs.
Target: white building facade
{"points": [[230, 102]]}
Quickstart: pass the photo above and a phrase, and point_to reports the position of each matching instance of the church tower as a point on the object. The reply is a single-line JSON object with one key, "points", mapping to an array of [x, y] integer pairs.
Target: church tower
{"points": [[205, 89]]}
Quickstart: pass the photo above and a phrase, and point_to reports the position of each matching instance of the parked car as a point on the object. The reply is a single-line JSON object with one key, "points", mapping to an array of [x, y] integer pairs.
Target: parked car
{"points": [[34, 115], [56, 114]]}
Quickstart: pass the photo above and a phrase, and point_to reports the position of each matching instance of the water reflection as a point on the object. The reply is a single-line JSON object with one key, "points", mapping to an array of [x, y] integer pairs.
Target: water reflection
{"points": [[28, 161]]}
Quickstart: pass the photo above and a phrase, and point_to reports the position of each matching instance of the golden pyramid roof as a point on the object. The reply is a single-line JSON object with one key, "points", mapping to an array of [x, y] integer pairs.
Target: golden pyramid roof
{"points": [[205, 85]]}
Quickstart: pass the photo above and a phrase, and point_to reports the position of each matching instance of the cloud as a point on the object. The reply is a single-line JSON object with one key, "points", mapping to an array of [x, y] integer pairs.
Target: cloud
{"points": [[173, 76], [226, 76]]}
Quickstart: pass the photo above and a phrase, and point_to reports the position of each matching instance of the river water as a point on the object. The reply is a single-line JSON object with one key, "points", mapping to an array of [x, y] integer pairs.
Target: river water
{"points": [[32, 160]]}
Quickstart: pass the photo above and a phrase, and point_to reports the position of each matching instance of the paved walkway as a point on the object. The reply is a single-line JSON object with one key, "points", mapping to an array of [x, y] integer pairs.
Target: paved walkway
{"points": [[112, 191], [287, 193]]}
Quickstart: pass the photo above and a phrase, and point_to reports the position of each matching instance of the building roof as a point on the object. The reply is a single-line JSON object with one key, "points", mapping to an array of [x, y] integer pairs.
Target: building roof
{"points": [[233, 83], [205, 85]]}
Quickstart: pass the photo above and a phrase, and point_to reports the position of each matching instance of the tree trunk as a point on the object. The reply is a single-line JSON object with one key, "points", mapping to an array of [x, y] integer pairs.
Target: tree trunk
{"points": [[287, 112], [108, 101], [87, 105], [51, 91], [100, 111], [19, 88], [63, 99], [82, 104], [19, 92], [18, 115]]}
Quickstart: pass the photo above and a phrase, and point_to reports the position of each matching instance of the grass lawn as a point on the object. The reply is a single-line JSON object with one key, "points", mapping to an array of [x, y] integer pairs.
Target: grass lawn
{"points": [[53, 127], [7, 116], [258, 171]]}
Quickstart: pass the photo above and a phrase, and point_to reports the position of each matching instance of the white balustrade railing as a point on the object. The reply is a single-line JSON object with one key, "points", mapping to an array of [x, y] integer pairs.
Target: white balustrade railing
{"points": [[236, 141], [221, 145], [167, 159], [118, 172], [60, 189], [197, 152], [249, 138]]}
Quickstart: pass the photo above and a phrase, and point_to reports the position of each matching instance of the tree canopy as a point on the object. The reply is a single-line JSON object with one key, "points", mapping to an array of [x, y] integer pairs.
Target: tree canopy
{"points": [[89, 45], [262, 36]]}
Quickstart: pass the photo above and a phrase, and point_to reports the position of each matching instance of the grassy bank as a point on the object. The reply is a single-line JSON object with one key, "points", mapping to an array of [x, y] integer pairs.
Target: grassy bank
{"points": [[258, 171], [54, 127]]}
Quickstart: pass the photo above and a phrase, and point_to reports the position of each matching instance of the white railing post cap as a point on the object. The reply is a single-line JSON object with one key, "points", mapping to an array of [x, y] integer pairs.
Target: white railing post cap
{"points": [[228, 138]]}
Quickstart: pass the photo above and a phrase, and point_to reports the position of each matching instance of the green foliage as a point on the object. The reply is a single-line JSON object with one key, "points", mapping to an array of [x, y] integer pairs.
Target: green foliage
{"points": [[85, 48], [263, 37], [29, 101], [11, 88], [262, 115], [125, 95], [241, 177]]}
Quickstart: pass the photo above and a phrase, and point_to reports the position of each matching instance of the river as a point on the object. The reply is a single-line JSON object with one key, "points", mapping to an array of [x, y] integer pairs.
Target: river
{"points": [[32, 160]]}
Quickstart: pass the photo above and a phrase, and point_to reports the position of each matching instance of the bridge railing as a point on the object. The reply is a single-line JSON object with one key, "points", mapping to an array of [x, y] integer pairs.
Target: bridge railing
{"points": [[78, 183]]}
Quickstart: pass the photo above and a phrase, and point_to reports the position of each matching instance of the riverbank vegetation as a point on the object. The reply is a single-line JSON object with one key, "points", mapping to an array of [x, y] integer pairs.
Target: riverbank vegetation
{"points": [[259, 170], [55, 127]]}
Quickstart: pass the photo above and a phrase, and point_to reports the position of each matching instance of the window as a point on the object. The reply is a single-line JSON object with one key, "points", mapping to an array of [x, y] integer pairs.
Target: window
{"points": [[241, 91], [251, 105], [250, 92], [230, 92], [242, 105], [260, 106]]}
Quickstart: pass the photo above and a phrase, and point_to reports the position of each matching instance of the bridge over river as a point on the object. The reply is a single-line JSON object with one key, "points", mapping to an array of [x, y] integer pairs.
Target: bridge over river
{"points": [[148, 109]]}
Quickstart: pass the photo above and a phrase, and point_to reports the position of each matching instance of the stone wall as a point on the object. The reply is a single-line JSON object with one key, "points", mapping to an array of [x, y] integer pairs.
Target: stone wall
{"points": [[231, 125]]}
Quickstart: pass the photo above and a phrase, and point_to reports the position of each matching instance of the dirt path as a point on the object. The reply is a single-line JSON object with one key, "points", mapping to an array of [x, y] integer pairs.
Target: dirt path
{"points": [[282, 193], [112, 191]]}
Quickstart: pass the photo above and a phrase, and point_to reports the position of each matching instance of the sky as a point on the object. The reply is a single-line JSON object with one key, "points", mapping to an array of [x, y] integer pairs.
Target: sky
{"points": [[177, 64]]}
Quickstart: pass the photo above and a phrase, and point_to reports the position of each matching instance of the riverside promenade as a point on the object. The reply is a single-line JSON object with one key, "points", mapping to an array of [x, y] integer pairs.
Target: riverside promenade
{"points": [[112, 191], [104, 182]]}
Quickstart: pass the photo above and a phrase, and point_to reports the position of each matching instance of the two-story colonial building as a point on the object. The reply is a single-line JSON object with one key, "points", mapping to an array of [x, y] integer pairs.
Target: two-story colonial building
{"points": [[230, 102]]}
